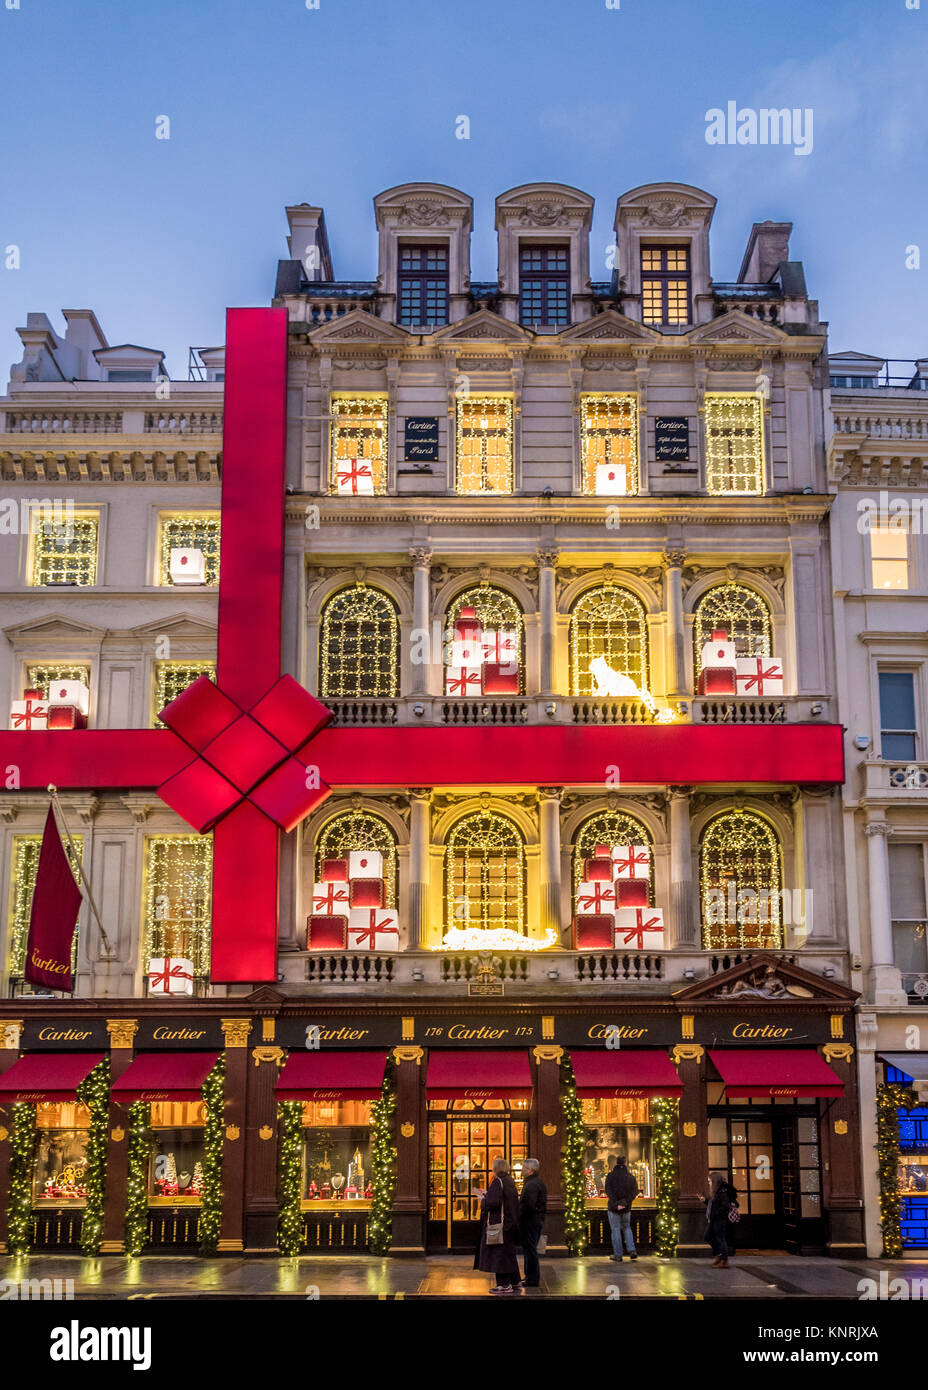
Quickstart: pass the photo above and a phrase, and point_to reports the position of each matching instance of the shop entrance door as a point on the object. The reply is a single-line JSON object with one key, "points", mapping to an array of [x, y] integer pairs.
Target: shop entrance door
{"points": [[773, 1158], [464, 1138]]}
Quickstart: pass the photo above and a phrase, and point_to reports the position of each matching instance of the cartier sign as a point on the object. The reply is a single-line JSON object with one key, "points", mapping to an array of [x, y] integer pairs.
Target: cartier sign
{"points": [[64, 1036], [184, 1033]]}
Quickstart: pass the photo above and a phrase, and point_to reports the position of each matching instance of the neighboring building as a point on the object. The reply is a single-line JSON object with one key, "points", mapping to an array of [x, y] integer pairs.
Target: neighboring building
{"points": [[590, 479], [878, 457]]}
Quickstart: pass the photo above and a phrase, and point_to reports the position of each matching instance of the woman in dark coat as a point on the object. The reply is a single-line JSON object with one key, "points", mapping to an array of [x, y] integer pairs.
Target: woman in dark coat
{"points": [[722, 1197], [500, 1202]]}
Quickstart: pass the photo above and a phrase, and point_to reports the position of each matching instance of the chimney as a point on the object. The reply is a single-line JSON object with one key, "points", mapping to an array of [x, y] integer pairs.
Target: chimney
{"points": [[768, 245], [309, 242]]}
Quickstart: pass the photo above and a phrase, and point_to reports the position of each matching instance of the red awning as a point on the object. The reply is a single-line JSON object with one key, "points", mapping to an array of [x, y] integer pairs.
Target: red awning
{"points": [[331, 1076], [164, 1076], [763, 1073], [44, 1076], [603, 1074], [479, 1076]]}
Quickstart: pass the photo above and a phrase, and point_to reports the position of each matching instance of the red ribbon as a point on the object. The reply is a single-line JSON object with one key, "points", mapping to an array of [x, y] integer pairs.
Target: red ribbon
{"points": [[630, 861], [603, 895], [638, 932], [368, 935], [327, 901], [457, 685], [31, 712], [170, 972], [760, 676], [352, 474]]}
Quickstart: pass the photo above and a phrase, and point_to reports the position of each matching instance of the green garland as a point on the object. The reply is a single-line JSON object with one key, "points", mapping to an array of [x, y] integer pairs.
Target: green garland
{"points": [[94, 1093], [383, 1165], [575, 1229], [664, 1114], [890, 1099], [289, 1210], [22, 1157], [211, 1207], [136, 1230]]}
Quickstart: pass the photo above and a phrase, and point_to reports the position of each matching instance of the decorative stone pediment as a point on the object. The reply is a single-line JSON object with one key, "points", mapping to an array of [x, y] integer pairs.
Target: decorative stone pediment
{"points": [[483, 326], [54, 628], [738, 329], [766, 978], [544, 205], [359, 327], [666, 207], [609, 327], [177, 625]]}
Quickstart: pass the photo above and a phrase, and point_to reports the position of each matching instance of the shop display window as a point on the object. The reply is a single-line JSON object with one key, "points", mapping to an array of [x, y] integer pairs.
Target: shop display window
{"points": [[613, 1127], [62, 1136], [337, 1152], [464, 1138], [178, 1153]]}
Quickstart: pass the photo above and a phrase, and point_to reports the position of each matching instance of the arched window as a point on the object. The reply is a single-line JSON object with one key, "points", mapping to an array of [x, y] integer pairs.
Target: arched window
{"points": [[742, 612], [359, 644], [359, 829], [740, 882], [485, 873], [607, 625], [608, 828], [497, 613]]}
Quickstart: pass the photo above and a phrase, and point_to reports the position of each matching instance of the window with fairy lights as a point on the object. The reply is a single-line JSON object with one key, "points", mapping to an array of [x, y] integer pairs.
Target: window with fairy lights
{"points": [[189, 531], [744, 615], [608, 638], [734, 444], [40, 675], [358, 456], [359, 830], [609, 828], [485, 874], [609, 443], [740, 882], [24, 865], [171, 678], [177, 895], [63, 551], [483, 447], [359, 644], [497, 612]]}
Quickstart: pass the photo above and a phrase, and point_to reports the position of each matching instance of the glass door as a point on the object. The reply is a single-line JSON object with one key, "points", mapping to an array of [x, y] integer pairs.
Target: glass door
{"points": [[774, 1163], [464, 1139]]}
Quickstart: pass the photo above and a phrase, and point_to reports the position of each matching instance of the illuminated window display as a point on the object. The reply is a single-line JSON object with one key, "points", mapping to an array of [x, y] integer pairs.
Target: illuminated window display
{"points": [[336, 1153], [614, 1127], [175, 1174], [62, 1135], [464, 1138]]}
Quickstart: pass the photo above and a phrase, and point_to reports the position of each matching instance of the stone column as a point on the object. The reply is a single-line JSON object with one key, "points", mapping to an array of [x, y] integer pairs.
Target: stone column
{"points": [[886, 981], [547, 614], [693, 1137], [10, 1033], [421, 558], [231, 1233], [122, 1038], [419, 830], [264, 1062], [683, 890], [675, 667], [547, 1136], [411, 1137], [549, 803]]}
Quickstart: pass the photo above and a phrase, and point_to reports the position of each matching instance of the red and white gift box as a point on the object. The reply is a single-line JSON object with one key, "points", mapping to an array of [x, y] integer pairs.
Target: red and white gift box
{"points": [[187, 565], [639, 929], [366, 892], [467, 626], [594, 931], [598, 869], [31, 712], [170, 975], [330, 897], [611, 480], [365, 863], [500, 680], [718, 673], [466, 651], [65, 717], [334, 871], [462, 680], [500, 647], [595, 896], [327, 932], [759, 675], [354, 478], [74, 693], [631, 861], [632, 892], [373, 929]]}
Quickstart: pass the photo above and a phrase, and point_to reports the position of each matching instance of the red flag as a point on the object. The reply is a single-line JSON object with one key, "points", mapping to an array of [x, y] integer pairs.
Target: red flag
{"points": [[56, 901]]}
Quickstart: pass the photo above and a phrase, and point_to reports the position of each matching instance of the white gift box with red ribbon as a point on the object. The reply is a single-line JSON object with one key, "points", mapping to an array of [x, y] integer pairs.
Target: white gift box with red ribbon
{"points": [[466, 652], [170, 975], [639, 929], [462, 680], [187, 565], [29, 713], [611, 480], [330, 899], [759, 675], [500, 647], [373, 929], [595, 896], [365, 863], [354, 478], [631, 861]]}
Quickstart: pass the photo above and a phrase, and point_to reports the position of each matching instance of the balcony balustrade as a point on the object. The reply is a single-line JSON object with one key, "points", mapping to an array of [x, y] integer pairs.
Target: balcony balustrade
{"points": [[532, 709]]}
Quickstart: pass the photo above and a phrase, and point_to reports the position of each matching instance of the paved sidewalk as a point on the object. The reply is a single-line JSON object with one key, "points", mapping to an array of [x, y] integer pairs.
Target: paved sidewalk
{"points": [[451, 1277]]}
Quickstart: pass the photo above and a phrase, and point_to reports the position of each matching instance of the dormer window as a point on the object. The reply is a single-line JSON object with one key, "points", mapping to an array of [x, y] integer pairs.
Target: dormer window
{"points": [[544, 286], [665, 285], [422, 286]]}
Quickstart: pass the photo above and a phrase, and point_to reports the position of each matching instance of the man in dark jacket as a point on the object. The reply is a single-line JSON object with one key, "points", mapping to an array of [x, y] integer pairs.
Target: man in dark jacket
{"points": [[533, 1206], [621, 1190]]}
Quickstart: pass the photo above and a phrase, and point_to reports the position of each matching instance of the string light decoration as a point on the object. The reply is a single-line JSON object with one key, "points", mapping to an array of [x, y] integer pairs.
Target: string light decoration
{"points": [[177, 898], [496, 611], [610, 828], [359, 644], [890, 1099], [664, 1113], [94, 1093], [289, 1171], [610, 623], [744, 615], [211, 1195], [501, 939], [383, 1164], [136, 1227], [609, 435], [24, 868], [485, 874], [734, 444], [189, 531], [572, 1164], [359, 830], [359, 431], [483, 445], [22, 1158], [65, 552], [739, 853], [170, 679], [40, 675]]}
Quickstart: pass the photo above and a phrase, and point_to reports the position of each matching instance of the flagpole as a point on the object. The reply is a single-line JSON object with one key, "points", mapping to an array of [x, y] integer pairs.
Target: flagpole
{"points": [[59, 816]]}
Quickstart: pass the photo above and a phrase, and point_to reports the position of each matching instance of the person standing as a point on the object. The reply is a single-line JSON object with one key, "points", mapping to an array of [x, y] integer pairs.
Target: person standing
{"points": [[500, 1204], [722, 1198], [621, 1190], [533, 1206]]}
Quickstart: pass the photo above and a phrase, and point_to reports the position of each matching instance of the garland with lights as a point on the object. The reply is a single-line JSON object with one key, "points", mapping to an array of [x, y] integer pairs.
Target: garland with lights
{"points": [[94, 1093], [289, 1211], [572, 1166], [137, 1184], [664, 1113], [211, 1198], [890, 1099], [22, 1156], [383, 1165]]}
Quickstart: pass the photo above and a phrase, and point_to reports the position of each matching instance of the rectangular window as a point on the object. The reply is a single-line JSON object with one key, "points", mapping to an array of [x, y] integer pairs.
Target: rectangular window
{"points": [[422, 286], [177, 898], [616, 1127], [358, 465], [609, 444], [62, 1141], [24, 865], [483, 461], [337, 1165], [178, 1153], [64, 552], [889, 557], [188, 531], [897, 715], [907, 902], [171, 678], [544, 286], [734, 444], [41, 674], [665, 285]]}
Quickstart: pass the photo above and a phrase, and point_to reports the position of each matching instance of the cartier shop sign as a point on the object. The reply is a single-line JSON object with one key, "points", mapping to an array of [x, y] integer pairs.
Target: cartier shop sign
{"points": [[187, 1034], [64, 1035], [766, 1028]]}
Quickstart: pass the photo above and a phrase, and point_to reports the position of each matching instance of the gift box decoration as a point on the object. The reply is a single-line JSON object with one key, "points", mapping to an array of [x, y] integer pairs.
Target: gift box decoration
{"points": [[170, 975], [373, 929], [187, 565], [334, 871], [365, 863], [639, 929], [354, 478], [327, 932], [331, 897], [717, 680], [366, 892], [29, 713], [611, 480], [593, 895], [599, 868], [467, 652], [500, 680], [718, 671], [632, 892], [603, 852], [759, 675], [74, 693], [594, 931], [462, 680], [631, 861], [65, 717], [501, 647], [467, 626]]}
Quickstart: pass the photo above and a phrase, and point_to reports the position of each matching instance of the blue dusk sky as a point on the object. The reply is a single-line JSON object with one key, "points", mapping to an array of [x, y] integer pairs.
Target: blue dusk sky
{"points": [[271, 102]]}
